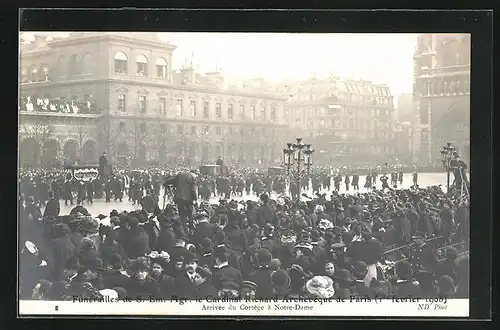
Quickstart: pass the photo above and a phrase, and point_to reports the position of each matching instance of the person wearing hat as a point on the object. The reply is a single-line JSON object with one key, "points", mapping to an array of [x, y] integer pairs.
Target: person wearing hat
{"points": [[223, 270], [423, 256], [343, 281], [236, 236], [262, 274], [320, 287], [203, 283], [87, 250], [135, 240], [88, 280], [281, 282], [166, 237], [247, 290], [359, 288], [115, 276], [446, 287], [166, 282], [141, 284], [275, 264], [63, 249], [265, 213], [206, 253], [184, 282], [405, 286], [185, 195], [203, 228], [53, 207]]}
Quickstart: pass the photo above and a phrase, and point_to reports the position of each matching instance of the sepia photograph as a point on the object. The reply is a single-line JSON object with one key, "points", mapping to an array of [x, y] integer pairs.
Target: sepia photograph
{"points": [[243, 173]]}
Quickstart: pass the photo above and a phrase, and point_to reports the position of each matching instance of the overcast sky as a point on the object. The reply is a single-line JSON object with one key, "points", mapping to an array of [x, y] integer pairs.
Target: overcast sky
{"points": [[382, 58]]}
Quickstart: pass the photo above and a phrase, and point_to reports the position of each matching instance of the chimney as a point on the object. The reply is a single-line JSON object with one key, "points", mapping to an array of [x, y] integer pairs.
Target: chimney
{"points": [[188, 75], [216, 78]]}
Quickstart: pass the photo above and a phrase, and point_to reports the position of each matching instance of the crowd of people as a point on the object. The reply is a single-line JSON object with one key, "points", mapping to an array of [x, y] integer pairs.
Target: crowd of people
{"points": [[81, 105], [384, 242]]}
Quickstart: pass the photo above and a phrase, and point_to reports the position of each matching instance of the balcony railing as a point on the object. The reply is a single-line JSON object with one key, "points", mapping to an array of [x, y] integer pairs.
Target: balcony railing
{"points": [[445, 70]]}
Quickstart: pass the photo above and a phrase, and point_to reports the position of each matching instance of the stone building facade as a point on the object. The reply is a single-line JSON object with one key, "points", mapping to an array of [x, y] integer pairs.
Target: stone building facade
{"points": [[147, 112], [442, 94], [345, 120]]}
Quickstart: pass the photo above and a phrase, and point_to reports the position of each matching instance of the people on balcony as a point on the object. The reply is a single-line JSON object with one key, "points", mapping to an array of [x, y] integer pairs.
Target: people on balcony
{"points": [[58, 105]]}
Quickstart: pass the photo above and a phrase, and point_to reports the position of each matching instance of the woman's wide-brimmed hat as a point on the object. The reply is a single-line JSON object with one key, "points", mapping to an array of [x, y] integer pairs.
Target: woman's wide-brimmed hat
{"points": [[320, 286]]}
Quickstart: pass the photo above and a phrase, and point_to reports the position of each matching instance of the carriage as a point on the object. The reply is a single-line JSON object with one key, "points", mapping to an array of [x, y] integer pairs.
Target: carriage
{"points": [[211, 170]]}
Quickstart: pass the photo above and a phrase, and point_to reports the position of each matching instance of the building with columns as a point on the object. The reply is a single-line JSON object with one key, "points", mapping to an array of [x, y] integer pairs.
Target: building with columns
{"points": [[346, 120], [144, 111], [442, 95]]}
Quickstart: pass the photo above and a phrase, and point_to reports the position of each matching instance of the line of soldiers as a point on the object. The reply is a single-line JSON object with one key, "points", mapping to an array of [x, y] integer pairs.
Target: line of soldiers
{"points": [[237, 185]]}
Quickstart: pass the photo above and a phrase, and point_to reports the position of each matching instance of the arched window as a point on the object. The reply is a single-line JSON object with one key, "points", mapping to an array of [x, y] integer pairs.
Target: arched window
{"points": [[120, 62], [161, 68], [34, 74], [24, 75], [44, 70], [73, 67], [142, 65], [86, 63]]}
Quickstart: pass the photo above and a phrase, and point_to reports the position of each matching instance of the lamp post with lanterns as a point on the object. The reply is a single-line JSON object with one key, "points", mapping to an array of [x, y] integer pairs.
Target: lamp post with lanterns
{"points": [[447, 155], [297, 157]]}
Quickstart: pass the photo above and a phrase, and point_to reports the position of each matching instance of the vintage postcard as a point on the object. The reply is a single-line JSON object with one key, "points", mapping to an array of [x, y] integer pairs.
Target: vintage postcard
{"points": [[244, 174]]}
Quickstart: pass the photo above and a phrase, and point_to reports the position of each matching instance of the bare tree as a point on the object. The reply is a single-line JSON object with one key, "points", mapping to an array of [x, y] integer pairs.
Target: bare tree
{"points": [[40, 133], [142, 138], [82, 135]]}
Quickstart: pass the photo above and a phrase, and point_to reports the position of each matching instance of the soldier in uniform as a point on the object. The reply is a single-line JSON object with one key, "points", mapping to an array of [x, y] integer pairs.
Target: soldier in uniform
{"points": [[347, 182], [400, 176], [355, 181], [327, 181], [82, 192], [240, 185], [90, 192], [368, 181], [423, 257], [68, 191], [107, 190], [384, 180], [337, 180], [415, 178], [117, 186]]}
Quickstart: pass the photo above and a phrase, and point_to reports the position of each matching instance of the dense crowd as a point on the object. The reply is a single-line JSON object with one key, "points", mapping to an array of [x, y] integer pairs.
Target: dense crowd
{"points": [[57, 105], [385, 242]]}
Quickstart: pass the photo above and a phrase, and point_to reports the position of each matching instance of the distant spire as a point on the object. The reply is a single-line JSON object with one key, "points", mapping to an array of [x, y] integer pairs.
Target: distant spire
{"points": [[192, 55]]}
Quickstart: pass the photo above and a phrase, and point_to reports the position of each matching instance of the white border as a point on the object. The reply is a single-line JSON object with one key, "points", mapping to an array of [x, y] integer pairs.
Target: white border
{"points": [[379, 308]]}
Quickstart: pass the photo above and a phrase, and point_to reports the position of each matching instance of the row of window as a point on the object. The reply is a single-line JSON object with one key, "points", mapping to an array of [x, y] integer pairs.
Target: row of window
{"points": [[338, 136], [344, 96], [345, 111], [205, 129], [445, 87], [142, 67], [180, 110], [368, 149], [352, 124]]}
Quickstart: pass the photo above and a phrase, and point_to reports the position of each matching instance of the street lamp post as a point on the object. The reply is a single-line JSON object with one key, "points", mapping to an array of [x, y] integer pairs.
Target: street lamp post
{"points": [[297, 159], [447, 155]]}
